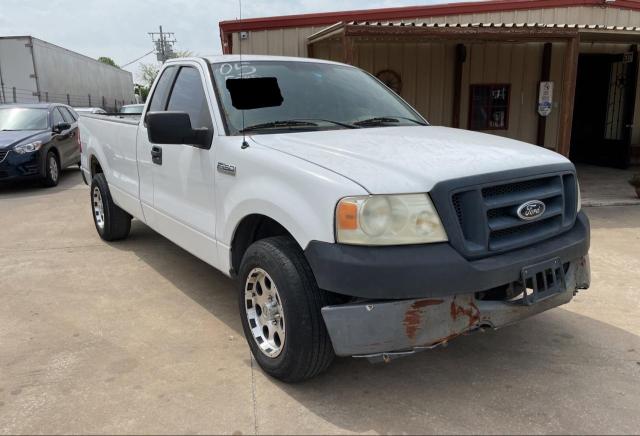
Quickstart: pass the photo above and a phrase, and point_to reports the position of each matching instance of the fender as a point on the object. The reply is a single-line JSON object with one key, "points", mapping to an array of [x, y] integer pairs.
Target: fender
{"points": [[299, 195]]}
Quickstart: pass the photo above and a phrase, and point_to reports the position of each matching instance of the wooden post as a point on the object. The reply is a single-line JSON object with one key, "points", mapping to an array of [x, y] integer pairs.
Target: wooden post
{"points": [[347, 46], [545, 76], [568, 94], [461, 57]]}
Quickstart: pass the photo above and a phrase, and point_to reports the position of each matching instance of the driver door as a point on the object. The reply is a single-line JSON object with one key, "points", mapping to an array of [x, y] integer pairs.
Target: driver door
{"points": [[183, 205]]}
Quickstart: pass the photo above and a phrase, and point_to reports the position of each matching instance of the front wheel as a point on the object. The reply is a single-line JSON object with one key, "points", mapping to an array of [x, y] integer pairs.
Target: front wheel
{"points": [[51, 170], [280, 309]]}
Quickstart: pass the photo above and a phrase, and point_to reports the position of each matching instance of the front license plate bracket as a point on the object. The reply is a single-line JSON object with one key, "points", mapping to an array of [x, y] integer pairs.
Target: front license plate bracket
{"points": [[542, 280]]}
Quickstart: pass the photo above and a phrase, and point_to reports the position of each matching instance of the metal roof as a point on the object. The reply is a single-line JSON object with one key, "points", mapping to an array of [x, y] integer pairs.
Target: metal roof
{"points": [[411, 12], [494, 25], [588, 31], [227, 28]]}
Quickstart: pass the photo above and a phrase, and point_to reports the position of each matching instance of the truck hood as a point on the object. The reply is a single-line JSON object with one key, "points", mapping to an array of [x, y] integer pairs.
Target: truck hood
{"points": [[10, 138], [408, 159]]}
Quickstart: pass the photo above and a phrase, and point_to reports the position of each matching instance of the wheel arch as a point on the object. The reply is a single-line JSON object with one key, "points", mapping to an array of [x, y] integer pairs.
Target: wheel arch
{"points": [[94, 165], [55, 151], [251, 228]]}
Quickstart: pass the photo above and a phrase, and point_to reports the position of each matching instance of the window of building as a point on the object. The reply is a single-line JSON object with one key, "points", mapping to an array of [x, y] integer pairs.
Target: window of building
{"points": [[489, 107]]}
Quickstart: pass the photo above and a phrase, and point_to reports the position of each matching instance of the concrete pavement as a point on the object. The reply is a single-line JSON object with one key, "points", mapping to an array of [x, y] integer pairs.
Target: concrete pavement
{"points": [[141, 337]]}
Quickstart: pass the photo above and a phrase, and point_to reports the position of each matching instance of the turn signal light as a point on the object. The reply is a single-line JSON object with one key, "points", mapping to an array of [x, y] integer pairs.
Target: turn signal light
{"points": [[347, 214]]}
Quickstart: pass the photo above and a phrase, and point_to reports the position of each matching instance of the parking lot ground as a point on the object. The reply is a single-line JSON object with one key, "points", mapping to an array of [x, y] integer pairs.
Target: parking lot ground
{"points": [[141, 337]]}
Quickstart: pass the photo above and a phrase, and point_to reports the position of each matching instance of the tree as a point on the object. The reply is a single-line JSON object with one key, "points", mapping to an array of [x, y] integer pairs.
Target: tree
{"points": [[108, 61], [142, 91], [148, 73]]}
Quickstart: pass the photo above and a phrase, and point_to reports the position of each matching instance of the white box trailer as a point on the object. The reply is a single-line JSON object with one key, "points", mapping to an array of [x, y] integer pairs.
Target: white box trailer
{"points": [[32, 71]]}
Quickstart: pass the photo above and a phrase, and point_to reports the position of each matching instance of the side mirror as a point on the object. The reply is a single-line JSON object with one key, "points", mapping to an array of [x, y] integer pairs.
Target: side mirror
{"points": [[175, 128], [61, 127]]}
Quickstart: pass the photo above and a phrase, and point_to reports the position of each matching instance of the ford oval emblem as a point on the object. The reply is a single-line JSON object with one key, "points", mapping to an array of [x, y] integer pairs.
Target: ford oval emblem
{"points": [[531, 210]]}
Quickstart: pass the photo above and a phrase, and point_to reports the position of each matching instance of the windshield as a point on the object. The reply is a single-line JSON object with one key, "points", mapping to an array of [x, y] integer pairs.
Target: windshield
{"points": [[131, 109], [23, 119], [315, 96]]}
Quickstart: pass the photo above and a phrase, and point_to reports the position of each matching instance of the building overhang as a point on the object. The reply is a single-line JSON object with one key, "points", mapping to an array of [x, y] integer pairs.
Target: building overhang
{"points": [[504, 32]]}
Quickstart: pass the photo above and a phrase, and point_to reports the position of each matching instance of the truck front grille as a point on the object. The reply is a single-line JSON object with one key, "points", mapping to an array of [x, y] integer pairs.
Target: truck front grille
{"points": [[482, 219]]}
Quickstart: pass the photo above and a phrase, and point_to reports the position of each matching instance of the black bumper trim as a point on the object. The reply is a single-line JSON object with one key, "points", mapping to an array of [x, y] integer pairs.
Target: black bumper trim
{"points": [[433, 270]]}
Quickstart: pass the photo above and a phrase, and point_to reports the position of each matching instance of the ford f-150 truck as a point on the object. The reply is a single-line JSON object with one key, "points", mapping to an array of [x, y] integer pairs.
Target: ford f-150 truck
{"points": [[351, 225]]}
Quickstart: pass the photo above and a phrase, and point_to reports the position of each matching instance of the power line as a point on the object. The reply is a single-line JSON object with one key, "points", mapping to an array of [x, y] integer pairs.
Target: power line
{"points": [[137, 59]]}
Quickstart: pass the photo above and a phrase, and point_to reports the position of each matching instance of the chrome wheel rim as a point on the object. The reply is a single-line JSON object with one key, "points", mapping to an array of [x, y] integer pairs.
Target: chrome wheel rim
{"points": [[265, 315], [53, 168], [98, 207]]}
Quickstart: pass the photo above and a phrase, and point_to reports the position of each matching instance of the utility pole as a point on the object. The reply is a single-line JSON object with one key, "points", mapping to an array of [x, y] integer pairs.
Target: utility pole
{"points": [[163, 42]]}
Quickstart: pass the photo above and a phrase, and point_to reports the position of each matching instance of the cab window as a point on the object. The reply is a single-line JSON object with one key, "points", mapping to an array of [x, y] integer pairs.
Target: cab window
{"points": [[159, 97], [188, 96], [67, 115], [57, 117]]}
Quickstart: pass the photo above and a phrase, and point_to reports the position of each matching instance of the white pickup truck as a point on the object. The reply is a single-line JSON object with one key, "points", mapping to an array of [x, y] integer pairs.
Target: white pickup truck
{"points": [[352, 226]]}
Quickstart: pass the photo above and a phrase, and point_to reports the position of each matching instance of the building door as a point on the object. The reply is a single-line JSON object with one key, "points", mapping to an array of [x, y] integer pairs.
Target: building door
{"points": [[603, 109]]}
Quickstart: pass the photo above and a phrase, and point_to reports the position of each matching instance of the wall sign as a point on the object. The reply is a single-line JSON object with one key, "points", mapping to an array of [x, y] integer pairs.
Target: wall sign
{"points": [[545, 98]]}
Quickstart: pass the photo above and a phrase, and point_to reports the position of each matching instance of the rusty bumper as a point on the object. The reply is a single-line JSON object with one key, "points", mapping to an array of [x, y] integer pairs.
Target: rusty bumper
{"points": [[388, 329]]}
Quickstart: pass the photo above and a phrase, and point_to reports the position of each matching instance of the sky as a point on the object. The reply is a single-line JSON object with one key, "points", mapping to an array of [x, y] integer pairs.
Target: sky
{"points": [[119, 28]]}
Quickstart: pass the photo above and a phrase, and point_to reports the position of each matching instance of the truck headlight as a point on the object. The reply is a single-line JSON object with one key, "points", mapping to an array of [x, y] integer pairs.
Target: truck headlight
{"points": [[28, 148], [579, 196], [388, 220]]}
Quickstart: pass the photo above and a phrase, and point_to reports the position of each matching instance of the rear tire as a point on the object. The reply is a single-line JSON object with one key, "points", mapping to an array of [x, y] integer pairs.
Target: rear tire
{"points": [[276, 267], [51, 170], [112, 223]]}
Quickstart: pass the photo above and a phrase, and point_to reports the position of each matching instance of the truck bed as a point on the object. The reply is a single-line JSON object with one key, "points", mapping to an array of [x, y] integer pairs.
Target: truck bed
{"points": [[116, 117], [115, 138]]}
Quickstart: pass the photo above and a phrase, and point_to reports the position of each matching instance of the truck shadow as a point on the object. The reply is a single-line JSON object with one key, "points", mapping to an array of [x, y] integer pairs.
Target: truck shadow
{"points": [[548, 370]]}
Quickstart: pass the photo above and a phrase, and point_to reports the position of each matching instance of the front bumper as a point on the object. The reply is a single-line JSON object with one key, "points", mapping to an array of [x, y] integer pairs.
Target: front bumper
{"points": [[432, 270], [381, 330], [21, 166]]}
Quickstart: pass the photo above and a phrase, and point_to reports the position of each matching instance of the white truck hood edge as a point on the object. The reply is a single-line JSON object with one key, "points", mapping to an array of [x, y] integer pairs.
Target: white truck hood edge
{"points": [[408, 159]]}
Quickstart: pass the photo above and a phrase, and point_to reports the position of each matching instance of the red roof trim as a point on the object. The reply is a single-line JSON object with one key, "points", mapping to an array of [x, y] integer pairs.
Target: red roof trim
{"points": [[327, 18]]}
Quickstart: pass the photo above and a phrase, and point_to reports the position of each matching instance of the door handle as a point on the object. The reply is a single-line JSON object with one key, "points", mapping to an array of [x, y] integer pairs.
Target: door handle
{"points": [[156, 155]]}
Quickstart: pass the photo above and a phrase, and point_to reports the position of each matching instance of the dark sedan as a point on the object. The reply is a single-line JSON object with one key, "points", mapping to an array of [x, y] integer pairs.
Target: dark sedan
{"points": [[37, 141]]}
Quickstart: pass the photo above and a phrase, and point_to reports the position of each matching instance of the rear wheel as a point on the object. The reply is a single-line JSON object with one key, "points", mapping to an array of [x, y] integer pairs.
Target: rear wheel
{"points": [[52, 170], [280, 306], [112, 223]]}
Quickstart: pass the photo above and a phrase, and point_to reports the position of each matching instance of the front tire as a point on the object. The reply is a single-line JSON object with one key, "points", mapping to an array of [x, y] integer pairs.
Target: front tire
{"points": [[280, 304], [51, 170], [112, 223]]}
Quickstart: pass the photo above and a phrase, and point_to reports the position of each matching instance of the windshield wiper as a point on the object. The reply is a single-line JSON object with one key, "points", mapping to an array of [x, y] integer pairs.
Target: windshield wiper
{"points": [[337, 123], [278, 124], [376, 121]]}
